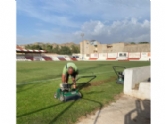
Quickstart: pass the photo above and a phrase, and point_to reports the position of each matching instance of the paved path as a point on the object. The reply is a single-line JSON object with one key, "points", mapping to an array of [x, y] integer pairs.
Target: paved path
{"points": [[126, 110]]}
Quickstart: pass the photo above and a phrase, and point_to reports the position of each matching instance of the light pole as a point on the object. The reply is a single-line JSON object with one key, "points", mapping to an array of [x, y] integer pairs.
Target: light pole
{"points": [[82, 35]]}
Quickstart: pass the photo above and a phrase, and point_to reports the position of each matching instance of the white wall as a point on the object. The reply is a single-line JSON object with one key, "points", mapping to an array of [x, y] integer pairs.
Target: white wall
{"points": [[134, 55], [94, 55], [102, 56], [112, 55], [123, 57], [144, 56], [134, 76]]}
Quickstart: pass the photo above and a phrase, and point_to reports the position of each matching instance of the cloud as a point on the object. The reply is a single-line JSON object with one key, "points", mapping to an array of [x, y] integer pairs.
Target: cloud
{"points": [[118, 31], [107, 21], [71, 13], [127, 30], [44, 13]]}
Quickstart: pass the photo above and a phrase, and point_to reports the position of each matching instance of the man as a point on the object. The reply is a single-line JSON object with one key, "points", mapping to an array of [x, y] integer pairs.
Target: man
{"points": [[72, 70]]}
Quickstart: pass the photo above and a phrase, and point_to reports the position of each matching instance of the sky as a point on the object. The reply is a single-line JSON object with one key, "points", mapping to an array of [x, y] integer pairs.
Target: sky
{"points": [[61, 21]]}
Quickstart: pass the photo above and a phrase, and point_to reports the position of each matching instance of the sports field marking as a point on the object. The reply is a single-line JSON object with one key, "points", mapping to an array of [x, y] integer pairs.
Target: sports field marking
{"points": [[41, 81]]}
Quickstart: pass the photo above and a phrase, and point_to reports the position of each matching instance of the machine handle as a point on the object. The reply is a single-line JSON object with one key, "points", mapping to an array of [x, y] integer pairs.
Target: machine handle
{"points": [[92, 77], [114, 68]]}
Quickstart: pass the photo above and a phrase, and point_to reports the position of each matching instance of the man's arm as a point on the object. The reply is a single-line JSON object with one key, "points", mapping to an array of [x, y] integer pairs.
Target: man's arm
{"points": [[74, 80], [64, 76]]}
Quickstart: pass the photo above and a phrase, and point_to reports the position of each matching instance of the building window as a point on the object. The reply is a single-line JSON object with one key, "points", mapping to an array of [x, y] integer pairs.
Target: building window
{"points": [[120, 54]]}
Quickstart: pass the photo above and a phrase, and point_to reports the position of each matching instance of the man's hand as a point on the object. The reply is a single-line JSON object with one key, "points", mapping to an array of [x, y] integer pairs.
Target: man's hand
{"points": [[74, 83], [74, 86]]}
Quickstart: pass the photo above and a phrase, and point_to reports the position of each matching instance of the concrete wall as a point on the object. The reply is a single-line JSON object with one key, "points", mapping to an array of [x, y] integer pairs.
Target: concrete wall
{"points": [[118, 47], [87, 48], [102, 48], [137, 48], [144, 89], [134, 76]]}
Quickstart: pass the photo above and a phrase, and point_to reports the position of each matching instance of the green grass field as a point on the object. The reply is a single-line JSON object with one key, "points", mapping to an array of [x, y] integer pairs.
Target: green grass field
{"points": [[38, 81]]}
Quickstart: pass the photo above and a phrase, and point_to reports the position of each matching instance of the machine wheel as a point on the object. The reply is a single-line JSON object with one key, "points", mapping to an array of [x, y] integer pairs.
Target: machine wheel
{"points": [[80, 95], [55, 95], [62, 98]]}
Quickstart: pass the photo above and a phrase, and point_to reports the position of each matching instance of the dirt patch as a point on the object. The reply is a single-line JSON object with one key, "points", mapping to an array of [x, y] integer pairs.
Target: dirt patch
{"points": [[136, 86], [118, 96], [97, 83], [103, 81]]}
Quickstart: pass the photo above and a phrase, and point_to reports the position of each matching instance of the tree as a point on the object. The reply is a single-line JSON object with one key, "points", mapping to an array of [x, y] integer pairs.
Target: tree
{"points": [[132, 43], [145, 42], [37, 47], [75, 49], [56, 50], [27, 47], [33, 47], [65, 50], [49, 48]]}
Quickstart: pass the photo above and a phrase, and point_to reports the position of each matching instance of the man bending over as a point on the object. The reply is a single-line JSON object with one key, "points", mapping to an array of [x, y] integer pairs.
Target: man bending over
{"points": [[72, 70]]}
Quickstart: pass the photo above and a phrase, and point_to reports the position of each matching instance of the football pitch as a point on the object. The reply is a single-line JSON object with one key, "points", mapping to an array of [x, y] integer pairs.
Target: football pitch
{"points": [[38, 81]]}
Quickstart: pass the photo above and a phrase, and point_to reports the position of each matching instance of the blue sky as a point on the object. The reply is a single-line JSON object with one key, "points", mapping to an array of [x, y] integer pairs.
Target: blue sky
{"points": [[59, 21]]}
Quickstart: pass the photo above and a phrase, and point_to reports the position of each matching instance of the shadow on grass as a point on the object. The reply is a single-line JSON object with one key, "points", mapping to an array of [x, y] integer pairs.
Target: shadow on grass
{"points": [[82, 85], [20, 87], [85, 84], [29, 113], [63, 111], [94, 92], [60, 114], [100, 106], [88, 69]]}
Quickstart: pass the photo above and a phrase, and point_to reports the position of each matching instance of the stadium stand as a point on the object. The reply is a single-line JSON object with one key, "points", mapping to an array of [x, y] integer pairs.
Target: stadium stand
{"points": [[29, 57], [21, 58], [46, 58], [61, 58], [73, 59], [41, 55]]}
